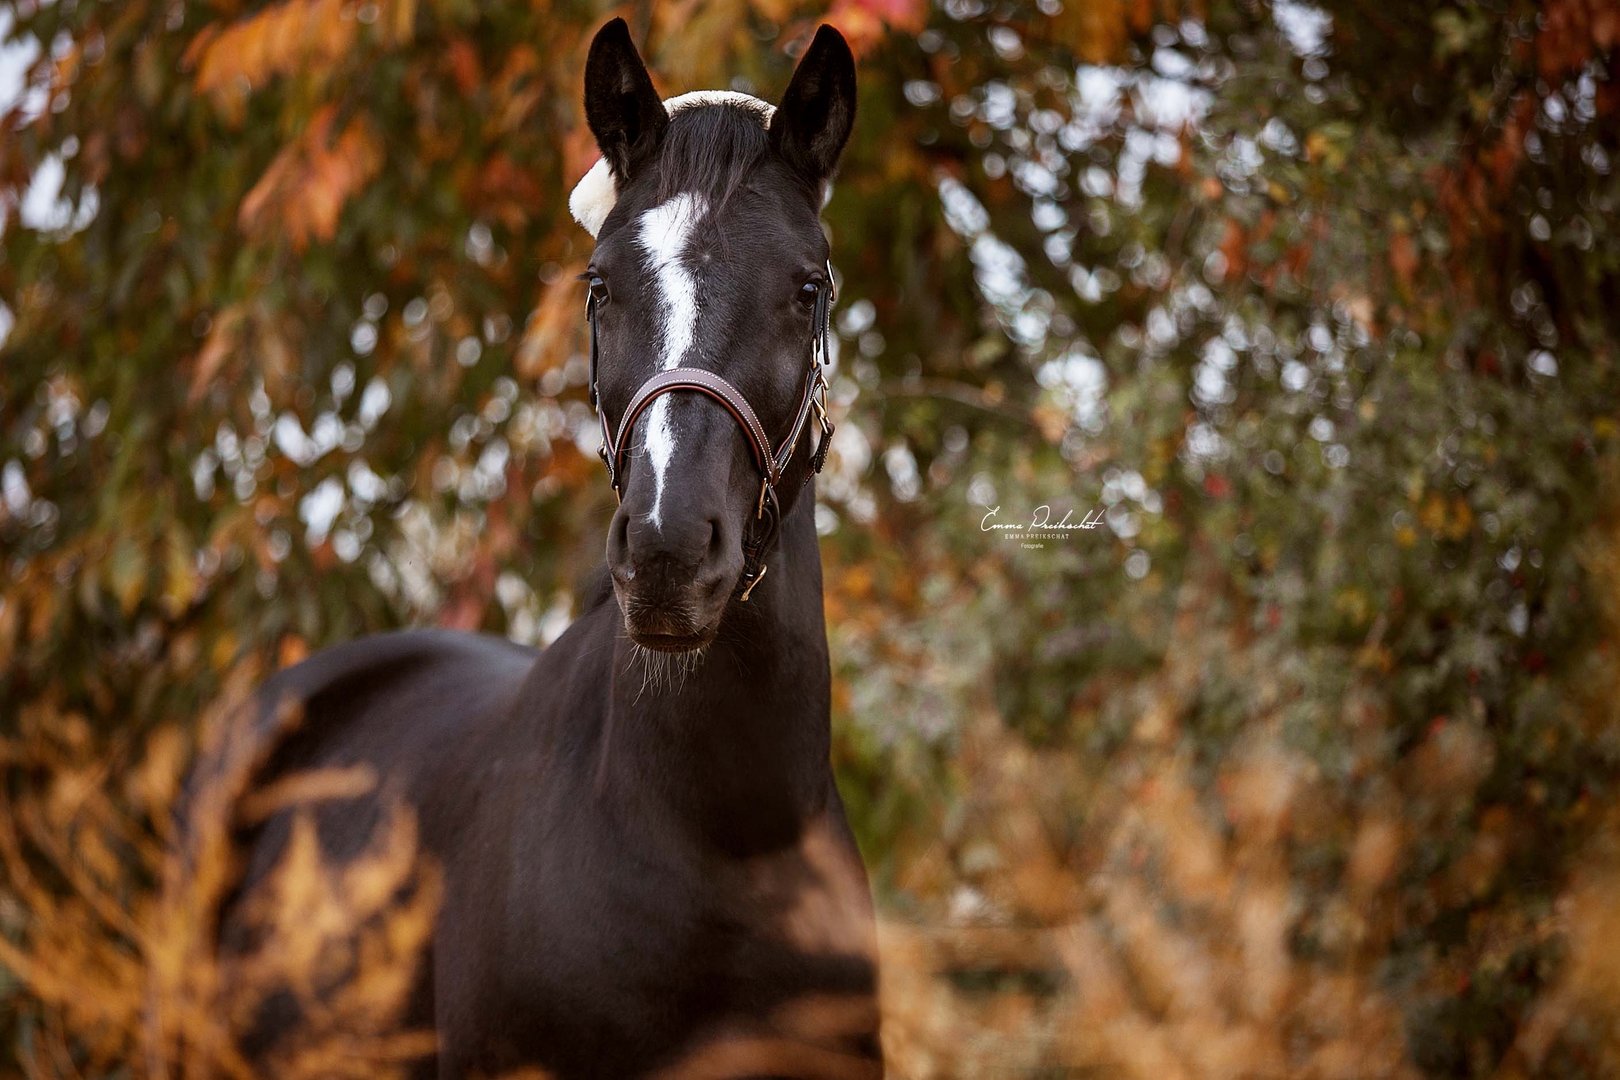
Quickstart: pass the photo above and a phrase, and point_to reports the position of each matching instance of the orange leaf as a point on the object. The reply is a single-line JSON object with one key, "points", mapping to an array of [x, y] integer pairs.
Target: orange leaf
{"points": [[222, 338], [865, 22], [302, 193]]}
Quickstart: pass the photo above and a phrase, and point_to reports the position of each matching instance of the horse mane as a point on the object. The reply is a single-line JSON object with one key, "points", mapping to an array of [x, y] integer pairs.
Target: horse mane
{"points": [[709, 150]]}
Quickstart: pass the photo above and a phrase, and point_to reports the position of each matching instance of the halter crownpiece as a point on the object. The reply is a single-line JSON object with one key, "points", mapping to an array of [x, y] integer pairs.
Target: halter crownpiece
{"points": [[772, 462]]}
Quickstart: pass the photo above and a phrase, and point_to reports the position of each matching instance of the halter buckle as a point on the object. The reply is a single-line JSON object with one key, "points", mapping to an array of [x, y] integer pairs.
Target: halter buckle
{"points": [[759, 510], [819, 404], [750, 586]]}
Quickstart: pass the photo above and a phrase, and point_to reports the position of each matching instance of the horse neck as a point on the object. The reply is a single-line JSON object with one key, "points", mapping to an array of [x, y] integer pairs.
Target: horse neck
{"points": [[733, 746]]}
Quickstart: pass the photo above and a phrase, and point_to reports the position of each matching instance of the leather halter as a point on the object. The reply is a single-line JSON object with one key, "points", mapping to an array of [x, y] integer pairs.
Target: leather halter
{"points": [[772, 462]]}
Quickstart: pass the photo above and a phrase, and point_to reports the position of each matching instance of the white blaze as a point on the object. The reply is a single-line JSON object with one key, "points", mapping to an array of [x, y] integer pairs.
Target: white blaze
{"points": [[663, 233]]}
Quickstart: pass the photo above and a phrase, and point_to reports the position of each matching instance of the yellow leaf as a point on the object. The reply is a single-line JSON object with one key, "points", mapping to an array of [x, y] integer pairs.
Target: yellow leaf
{"points": [[126, 574], [179, 576]]}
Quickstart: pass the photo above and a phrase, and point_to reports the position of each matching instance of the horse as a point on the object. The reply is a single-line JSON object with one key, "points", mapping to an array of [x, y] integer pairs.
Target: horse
{"points": [[646, 868]]}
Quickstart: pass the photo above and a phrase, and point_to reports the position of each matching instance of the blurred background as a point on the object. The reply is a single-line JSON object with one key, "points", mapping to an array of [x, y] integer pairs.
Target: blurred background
{"points": [[1302, 763]]}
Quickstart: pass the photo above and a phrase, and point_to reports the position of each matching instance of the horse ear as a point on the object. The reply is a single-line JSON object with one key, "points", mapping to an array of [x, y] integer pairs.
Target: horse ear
{"points": [[621, 106], [817, 113]]}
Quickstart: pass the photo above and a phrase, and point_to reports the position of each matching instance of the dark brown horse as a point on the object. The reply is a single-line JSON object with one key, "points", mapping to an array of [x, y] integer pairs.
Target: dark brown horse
{"points": [[646, 864]]}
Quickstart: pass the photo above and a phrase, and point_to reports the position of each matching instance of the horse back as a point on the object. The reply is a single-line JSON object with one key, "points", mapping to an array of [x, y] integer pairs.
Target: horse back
{"points": [[391, 718], [395, 709]]}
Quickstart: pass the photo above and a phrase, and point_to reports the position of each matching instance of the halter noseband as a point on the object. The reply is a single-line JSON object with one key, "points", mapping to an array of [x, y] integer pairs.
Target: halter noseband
{"points": [[772, 463]]}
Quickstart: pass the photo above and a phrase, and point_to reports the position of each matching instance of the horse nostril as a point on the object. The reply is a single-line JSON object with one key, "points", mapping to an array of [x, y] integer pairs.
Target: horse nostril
{"points": [[619, 546], [716, 540]]}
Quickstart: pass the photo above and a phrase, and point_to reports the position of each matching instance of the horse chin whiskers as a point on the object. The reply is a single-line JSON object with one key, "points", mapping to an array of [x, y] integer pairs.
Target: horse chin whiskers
{"points": [[665, 672]]}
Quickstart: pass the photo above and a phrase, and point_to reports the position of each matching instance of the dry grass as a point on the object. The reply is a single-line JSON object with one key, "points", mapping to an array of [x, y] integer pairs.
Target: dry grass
{"points": [[1165, 946], [117, 906], [1135, 925]]}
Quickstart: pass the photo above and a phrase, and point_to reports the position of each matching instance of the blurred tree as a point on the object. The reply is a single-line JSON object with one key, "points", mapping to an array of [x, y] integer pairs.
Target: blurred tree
{"points": [[1314, 305]]}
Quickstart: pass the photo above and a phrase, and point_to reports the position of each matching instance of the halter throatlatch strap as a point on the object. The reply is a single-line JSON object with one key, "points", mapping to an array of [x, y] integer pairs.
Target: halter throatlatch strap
{"points": [[772, 462]]}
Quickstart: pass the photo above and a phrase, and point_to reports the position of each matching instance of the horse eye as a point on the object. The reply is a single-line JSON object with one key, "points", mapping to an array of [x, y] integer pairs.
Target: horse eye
{"points": [[808, 292], [599, 289]]}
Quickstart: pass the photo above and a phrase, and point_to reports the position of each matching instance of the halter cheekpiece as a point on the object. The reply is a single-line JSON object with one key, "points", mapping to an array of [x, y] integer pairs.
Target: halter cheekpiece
{"points": [[772, 462]]}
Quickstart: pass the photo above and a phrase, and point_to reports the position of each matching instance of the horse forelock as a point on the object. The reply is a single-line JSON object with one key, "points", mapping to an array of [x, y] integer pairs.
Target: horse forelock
{"points": [[709, 150], [709, 156]]}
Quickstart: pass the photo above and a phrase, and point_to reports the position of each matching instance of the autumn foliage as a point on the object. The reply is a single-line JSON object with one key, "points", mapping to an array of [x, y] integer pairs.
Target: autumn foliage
{"points": [[1302, 763]]}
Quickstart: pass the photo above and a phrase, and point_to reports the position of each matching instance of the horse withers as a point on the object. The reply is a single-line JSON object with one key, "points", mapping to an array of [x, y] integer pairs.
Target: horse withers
{"points": [[645, 864]]}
